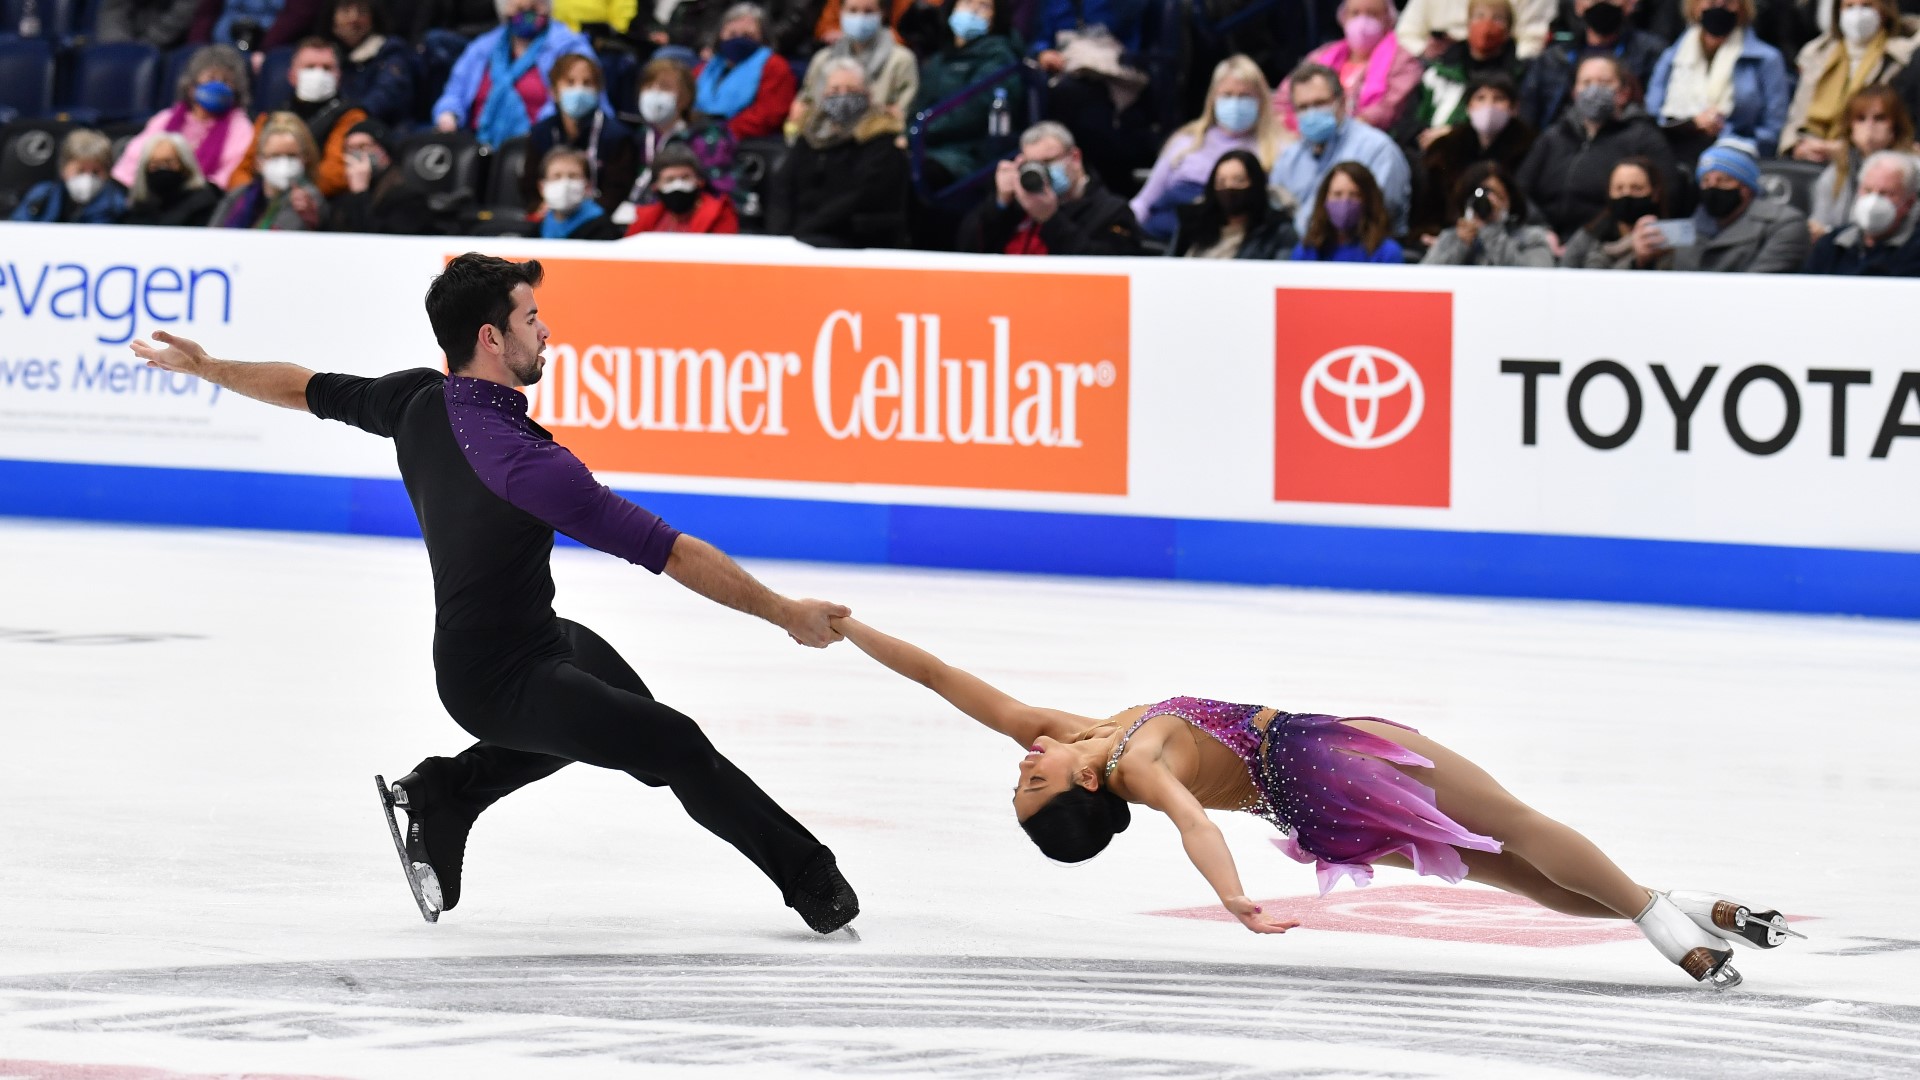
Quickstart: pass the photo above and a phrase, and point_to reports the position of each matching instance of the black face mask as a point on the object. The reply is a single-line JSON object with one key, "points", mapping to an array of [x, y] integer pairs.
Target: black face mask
{"points": [[1719, 202], [1628, 209], [679, 203], [1719, 21], [1605, 19], [1235, 202], [166, 183]]}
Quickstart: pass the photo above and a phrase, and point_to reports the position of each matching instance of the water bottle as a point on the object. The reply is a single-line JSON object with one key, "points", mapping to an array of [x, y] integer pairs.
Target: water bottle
{"points": [[30, 20], [1000, 115]]}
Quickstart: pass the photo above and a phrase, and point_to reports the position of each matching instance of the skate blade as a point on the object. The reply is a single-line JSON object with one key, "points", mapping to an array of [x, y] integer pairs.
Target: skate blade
{"points": [[429, 906]]}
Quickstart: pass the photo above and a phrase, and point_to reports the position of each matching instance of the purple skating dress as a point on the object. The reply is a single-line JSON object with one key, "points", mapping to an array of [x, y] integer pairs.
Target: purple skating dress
{"points": [[1340, 810]]}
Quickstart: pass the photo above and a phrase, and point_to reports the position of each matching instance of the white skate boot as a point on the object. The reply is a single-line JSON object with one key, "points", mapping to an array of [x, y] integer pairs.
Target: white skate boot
{"points": [[1699, 954], [1729, 918]]}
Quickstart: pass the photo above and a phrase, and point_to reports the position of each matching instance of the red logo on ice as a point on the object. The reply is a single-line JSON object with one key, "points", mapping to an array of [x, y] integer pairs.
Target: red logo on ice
{"points": [[1437, 912], [1363, 409]]}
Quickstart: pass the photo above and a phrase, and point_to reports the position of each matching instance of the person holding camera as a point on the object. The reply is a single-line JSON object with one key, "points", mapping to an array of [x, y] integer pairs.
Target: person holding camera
{"points": [[1046, 202], [1492, 229]]}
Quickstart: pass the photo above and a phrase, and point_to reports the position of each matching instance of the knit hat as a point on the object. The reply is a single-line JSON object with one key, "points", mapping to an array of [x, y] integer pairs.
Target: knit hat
{"points": [[1735, 157], [375, 130]]}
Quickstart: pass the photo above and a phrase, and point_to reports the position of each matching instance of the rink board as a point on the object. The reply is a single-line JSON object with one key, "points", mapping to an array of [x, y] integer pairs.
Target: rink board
{"points": [[1692, 440]]}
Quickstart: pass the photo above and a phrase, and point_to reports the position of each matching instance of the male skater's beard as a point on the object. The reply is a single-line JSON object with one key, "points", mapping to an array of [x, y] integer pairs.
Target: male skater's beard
{"points": [[526, 367]]}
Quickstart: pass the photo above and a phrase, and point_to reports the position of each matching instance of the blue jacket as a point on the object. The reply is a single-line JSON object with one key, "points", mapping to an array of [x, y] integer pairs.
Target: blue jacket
{"points": [[472, 66], [46, 201], [262, 12], [1761, 92], [1122, 17], [384, 84], [1300, 170]]}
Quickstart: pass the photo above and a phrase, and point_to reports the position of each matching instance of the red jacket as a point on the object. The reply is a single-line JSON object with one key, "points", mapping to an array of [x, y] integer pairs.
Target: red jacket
{"points": [[767, 114], [712, 214]]}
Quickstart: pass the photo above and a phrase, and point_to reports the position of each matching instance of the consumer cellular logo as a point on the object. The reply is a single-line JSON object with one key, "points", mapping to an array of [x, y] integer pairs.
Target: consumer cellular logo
{"points": [[1354, 376]]}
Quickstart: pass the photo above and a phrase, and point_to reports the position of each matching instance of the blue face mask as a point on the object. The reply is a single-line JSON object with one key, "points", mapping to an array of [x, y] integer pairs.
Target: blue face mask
{"points": [[735, 49], [579, 102], [1235, 113], [967, 25], [1318, 126], [860, 28], [527, 25], [1057, 175], [215, 97]]}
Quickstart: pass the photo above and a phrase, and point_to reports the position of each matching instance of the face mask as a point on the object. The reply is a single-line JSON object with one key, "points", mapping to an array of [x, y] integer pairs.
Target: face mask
{"points": [[579, 102], [679, 196], [1058, 176], [314, 84], [564, 196], [735, 49], [1489, 120], [1235, 202], [1318, 125], [1858, 25], [282, 172], [1486, 37], [1720, 202], [1605, 19], [658, 107], [1875, 214], [1235, 113], [527, 25], [216, 97], [166, 183], [860, 28], [844, 110], [1595, 104], [83, 187], [1344, 214], [1628, 209], [1719, 21], [967, 25], [1363, 32]]}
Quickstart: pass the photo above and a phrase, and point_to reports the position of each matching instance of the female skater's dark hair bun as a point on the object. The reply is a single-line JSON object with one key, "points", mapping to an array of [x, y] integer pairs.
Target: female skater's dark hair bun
{"points": [[1077, 824]]}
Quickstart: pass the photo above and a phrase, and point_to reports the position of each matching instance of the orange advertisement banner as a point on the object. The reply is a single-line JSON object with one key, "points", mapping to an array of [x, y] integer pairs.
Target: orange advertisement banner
{"points": [[937, 378]]}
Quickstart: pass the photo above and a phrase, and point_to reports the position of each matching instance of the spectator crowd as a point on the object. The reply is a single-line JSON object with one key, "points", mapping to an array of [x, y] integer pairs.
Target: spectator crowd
{"points": [[1718, 135]]}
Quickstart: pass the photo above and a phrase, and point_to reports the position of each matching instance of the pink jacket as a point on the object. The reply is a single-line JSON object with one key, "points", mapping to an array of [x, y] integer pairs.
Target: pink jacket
{"points": [[239, 141], [1385, 87]]}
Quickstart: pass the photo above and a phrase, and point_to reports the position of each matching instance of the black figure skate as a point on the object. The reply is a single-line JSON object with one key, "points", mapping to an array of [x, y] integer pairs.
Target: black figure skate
{"points": [[1737, 922], [413, 853]]}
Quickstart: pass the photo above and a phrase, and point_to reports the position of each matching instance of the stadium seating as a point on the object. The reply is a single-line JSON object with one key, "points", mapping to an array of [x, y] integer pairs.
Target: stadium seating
{"points": [[114, 82], [271, 91], [173, 69], [26, 75], [29, 154], [505, 166], [58, 19], [1790, 182]]}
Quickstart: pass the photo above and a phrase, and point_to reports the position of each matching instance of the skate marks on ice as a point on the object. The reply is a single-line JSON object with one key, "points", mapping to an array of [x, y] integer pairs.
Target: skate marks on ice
{"points": [[984, 1017]]}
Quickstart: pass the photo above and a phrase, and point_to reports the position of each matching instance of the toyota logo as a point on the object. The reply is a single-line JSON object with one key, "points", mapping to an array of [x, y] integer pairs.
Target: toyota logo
{"points": [[433, 162], [1355, 376], [35, 149]]}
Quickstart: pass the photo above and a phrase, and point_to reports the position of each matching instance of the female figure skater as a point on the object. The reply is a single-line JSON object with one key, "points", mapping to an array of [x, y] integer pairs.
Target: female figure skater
{"points": [[1344, 790]]}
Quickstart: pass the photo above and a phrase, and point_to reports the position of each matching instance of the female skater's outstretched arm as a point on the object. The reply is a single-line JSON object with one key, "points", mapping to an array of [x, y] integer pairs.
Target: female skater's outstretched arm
{"points": [[970, 694], [1148, 779]]}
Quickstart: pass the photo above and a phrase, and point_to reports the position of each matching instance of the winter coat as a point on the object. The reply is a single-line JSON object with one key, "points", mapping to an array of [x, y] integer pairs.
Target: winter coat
{"points": [[1760, 92], [1549, 83], [1448, 157], [1896, 56], [48, 201], [851, 192], [712, 214], [329, 126], [772, 101], [1846, 252], [1566, 174], [1769, 238], [379, 76], [1272, 238], [1507, 244], [275, 214], [896, 84], [1097, 223], [957, 140], [1586, 251], [390, 206], [191, 208], [1442, 98]]}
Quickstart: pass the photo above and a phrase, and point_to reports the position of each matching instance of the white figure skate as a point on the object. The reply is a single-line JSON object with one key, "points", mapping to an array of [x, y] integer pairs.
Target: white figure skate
{"points": [[1700, 954]]}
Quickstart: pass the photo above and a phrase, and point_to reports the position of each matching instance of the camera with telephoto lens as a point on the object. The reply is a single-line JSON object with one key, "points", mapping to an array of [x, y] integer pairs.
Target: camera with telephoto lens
{"points": [[1481, 204], [1034, 178]]}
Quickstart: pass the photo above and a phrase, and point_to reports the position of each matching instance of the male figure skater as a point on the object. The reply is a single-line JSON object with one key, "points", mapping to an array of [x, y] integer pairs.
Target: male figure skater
{"points": [[489, 487]]}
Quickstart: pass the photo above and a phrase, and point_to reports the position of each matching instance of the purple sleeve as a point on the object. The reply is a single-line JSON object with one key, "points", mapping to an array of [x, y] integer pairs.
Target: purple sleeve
{"points": [[547, 481]]}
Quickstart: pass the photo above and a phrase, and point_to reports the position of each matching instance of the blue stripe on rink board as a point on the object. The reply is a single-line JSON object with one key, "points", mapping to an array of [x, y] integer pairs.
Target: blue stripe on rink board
{"points": [[1259, 553]]}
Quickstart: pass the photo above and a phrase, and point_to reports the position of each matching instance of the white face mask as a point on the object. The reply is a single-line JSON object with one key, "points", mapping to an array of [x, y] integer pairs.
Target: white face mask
{"points": [[658, 107], [564, 195], [1874, 213], [315, 84], [1858, 25], [82, 187], [282, 172]]}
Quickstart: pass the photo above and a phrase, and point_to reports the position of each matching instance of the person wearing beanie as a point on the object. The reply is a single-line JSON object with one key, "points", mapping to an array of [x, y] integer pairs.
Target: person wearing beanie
{"points": [[682, 200], [1737, 228], [378, 198]]}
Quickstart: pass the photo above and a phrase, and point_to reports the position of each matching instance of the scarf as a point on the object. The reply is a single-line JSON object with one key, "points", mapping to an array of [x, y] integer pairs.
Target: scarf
{"points": [[1838, 82], [1698, 84], [505, 114], [878, 51], [724, 92], [207, 153], [555, 227], [1379, 66], [243, 215]]}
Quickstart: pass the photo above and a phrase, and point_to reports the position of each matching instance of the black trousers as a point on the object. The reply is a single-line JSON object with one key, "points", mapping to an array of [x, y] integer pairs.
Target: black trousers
{"points": [[565, 696]]}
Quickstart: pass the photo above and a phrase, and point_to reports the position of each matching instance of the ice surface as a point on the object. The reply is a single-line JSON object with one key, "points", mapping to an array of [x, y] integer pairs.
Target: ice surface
{"points": [[195, 878]]}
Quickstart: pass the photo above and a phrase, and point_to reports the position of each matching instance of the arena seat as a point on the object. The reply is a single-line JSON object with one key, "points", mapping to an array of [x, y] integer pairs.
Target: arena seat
{"points": [[505, 166], [26, 75], [59, 20], [29, 154], [621, 72], [117, 81], [1790, 182], [753, 161], [441, 163], [173, 69], [271, 91]]}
